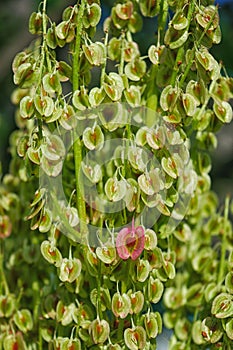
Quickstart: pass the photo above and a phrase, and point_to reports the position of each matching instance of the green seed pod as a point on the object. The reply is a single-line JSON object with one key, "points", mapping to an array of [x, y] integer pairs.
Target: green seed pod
{"points": [[156, 137], [93, 172], [64, 313], [149, 182], [133, 96], [229, 329], [5, 226], [149, 8], [96, 96], [104, 297], [197, 333], [26, 107], [135, 338], [121, 305], [69, 269], [36, 23], [106, 254], [143, 270], [80, 99], [99, 330], [223, 111], [124, 11], [51, 83], [44, 105], [45, 221], [208, 16], [14, 341], [179, 21], [93, 138], [137, 301], [23, 320], [135, 22], [229, 282], [222, 305], [115, 189], [189, 104], [169, 97], [114, 49], [7, 305], [53, 148], [92, 15], [151, 325], [150, 239], [211, 330], [135, 69], [155, 290], [51, 253], [174, 298], [95, 53], [51, 38], [71, 344]]}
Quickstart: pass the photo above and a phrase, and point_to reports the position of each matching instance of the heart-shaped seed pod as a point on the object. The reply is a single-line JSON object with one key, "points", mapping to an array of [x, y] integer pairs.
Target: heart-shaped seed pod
{"points": [[64, 313], [135, 69], [69, 269], [44, 105], [155, 289], [135, 338], [133, 96], [143, 269], [51, 253], [222, 305], [99, 330], [106, 254], [93, 138], [137, 301], [211, 330], [7, 305], [23, 320], [5, 226], [36, 23], [26, 107], [14, 341], [51, 83], [149, 182], [115, 189], [151, 325], [121, 305]]}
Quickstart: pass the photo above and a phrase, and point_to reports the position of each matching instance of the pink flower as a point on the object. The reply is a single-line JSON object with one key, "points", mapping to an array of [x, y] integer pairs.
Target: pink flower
{"points": [[130, 242]]}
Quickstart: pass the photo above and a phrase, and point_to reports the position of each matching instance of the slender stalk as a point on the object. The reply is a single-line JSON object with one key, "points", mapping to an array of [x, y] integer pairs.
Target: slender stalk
{"points": [[81, 205], [221, 272], [3, 282], [162, 19]]}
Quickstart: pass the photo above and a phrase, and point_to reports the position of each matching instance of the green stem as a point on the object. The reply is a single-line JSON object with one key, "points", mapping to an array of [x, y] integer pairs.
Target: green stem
{"points": [[3, 280], [81, 205], [105, 61], [221, 272], [163, 13]]}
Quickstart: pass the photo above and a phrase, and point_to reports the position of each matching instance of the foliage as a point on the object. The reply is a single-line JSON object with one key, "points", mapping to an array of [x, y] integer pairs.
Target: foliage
{"points": [[107, 211]]}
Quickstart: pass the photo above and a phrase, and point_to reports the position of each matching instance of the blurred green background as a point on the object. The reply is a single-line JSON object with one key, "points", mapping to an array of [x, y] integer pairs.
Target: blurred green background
{"points": [[14, 37]]}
